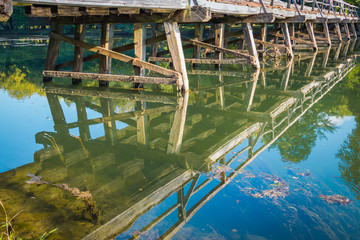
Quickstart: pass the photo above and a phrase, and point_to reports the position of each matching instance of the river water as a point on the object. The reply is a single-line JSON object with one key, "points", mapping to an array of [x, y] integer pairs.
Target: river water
{"points": [[270, 154]]}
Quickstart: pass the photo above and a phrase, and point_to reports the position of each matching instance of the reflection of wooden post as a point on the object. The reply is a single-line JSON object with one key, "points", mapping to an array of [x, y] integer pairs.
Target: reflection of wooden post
{"points": [[327, 34], [78, 51], [326, 57], [346, 48], [177, 129], [177, 54], [57, 114], [223, 174], [311, 65], [181, 202], [286, 76], [338, 31], [219, 40], [251, 91], [287, 39], [250, 42], [109, 126], [337, 54], [106, 42], [220, 96], [198, 36], [53, 50], [142, 124], [353, 29], [139, 48], [310, 30], [82, 117]]}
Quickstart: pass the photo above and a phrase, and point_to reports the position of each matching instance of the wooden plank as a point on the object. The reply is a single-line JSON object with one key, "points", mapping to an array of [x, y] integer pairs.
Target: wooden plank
{"points": [[115, 55], [295, 19], [78, 51], [250, 42], [201, 60], [53, 49], [111, 77], [176, 51]]}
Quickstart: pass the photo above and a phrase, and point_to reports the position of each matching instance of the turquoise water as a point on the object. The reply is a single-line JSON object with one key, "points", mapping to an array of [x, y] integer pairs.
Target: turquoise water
{"points": [[244, 155]]}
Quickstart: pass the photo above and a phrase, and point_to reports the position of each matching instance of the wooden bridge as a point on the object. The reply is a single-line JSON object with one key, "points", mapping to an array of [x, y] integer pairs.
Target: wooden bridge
{"points": [[167, 142], [279, 27]]}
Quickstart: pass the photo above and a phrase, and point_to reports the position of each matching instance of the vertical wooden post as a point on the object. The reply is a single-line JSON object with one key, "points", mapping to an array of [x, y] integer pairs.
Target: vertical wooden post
{"points": [[338, 31], [154, 48], [139, 49], [250, 42], [82, 117], [142, 124], [353, 29], [177, 129], [53, 49], [347, 32], [263, 36], [310, 30], [198, 36], [78, 51], [277, 32], [287, 40], [176, 51], [106, 41], [219, 40], [327, 34]]}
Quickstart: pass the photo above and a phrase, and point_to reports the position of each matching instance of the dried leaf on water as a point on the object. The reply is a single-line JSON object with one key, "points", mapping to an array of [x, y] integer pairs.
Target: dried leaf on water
{"points": [[336, 199]]}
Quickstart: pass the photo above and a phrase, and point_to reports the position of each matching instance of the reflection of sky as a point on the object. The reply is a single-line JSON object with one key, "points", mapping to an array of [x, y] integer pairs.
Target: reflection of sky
{"points": [[20, 121], [338, 121]]}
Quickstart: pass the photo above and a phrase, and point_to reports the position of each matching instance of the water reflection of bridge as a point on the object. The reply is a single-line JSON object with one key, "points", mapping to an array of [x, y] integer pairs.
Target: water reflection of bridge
{"points": [[166, 141]]}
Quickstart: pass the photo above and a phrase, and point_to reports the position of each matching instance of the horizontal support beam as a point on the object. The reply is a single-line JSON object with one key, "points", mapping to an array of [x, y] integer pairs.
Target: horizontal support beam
{"points": [[258, 18], [111, 77], [296, 19]]}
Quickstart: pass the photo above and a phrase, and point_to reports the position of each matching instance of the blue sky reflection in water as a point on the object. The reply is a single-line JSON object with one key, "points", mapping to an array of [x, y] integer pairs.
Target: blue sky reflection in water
{"points": [[276, 196]]}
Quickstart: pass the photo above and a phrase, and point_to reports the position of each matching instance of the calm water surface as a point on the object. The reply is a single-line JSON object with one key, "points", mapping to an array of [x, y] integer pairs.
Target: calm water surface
{"points": [[245, 155]]}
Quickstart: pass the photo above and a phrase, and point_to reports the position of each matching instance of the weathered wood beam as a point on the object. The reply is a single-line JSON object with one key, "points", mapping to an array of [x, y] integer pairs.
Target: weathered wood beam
{"points": [[115, 55], [111, 77], [310, 30], [263, 34], [120, 49], [53, 49], [327, 34], [78, 51], [198, 36], [347, 31], [196, 14], [250, 42], [176, 51], [219, 49], [139, 49], [256, 18], [287, 39], [202, 60], [104, 61], [219, 39], [338, 31], [353, 29], [296, 19]]}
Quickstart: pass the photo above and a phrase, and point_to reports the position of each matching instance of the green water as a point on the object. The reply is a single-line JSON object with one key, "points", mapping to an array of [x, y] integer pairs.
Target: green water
{"points": [[245, 155]]}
